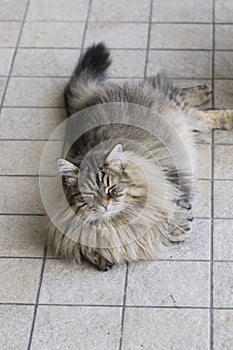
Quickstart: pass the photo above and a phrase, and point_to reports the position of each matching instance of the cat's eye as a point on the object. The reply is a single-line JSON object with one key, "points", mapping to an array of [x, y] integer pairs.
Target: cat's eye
{"points": [[112, 192]]}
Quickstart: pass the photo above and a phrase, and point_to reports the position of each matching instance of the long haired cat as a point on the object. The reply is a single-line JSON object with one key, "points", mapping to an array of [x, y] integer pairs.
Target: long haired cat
{"points": [[126, 199]]}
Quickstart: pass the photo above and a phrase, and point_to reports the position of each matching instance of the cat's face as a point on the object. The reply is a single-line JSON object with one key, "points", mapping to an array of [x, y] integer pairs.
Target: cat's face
{"points": [[101, 192]]}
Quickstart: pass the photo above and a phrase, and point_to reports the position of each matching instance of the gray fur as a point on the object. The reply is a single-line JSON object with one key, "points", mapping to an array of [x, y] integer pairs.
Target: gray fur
{"points": [[107, 170]]}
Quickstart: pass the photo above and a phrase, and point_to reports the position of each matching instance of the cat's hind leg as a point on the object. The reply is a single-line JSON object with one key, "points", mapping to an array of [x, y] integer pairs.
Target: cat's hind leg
{"points": [[195, 96]]}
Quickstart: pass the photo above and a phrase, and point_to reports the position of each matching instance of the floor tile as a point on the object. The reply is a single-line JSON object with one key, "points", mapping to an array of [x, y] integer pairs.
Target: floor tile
{"points": [[150, 284], [223, 240], [29, 123], [12, 10], [22, 236], [9, 33], [114, 35], [15, 324], [163, 329], [44, 92], [222, 329], [127, 63], [223, 37], [18, 152], [65, 326], [202, 199], [185, 11], [223, 93], [223, 136], [223, 199], [223, 11], [137, 11], [203, 161], [25, 190], [6, 56], [192, 64], [223, 167], [64, 283], [45, 62], [181, 36], [53, 34], [223, 284], [223, 64], [196, 247], [20, 278], [57, 10]]}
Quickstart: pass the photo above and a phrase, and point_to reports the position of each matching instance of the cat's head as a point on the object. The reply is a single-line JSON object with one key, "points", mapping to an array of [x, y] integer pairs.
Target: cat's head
{"points": [[103, 190]]}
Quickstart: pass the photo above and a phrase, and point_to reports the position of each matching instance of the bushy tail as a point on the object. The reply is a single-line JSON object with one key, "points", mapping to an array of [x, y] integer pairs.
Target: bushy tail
{"points": [[90, 70]]}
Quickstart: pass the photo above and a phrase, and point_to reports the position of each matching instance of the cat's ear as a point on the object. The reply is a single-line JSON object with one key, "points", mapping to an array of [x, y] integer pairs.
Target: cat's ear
{"points": [[116, 158], [68, 170]]}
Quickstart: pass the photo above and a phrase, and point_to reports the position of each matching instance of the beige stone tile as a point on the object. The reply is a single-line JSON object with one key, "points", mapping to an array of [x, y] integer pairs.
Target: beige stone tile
{"points": [[9, 33], [223, 37], [59, 10], [202, 198], [223, 167], [163, 329], [223, 64], [65, 283], [2, 87], [69, 327], [118, 35], [22, 236], [196, 247], [53, 34], [127, 63], [168, 283], [223, 11], [223, 136], [20, 157], [223, 284], [30, 123], [31, 92], [6, 56], [223, 240], [222, 329], [12, 10], [182, 11], [181, 36], [223, 199], [20, 195], [45, 62], [223, 93], [15, 323], [20, 278], [180, 64], [203, 161], [104, 10]]}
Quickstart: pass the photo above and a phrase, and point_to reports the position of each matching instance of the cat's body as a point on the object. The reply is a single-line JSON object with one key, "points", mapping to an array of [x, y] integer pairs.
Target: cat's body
{"points": [[116, 183]]}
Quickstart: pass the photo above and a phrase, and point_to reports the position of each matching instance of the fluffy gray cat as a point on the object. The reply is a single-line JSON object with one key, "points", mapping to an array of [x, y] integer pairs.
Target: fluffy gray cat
{"points": [[109, 183]]}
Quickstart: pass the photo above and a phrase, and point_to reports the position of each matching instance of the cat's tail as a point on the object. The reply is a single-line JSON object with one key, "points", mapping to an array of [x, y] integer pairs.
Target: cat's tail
{"points": [[90, 70]]}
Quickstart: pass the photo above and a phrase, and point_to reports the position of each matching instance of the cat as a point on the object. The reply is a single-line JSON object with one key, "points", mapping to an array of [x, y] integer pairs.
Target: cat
{"points": [[124, 204]]}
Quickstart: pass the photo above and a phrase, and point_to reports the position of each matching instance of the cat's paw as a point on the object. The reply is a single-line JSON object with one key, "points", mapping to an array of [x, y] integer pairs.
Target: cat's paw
{"points": [[181, 232], [197, 96], [103, 264]]}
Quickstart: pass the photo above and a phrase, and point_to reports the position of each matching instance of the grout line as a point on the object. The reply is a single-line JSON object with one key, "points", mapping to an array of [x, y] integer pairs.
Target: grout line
{"points": [[86, 25], [123, 307], [112, 22], [37, 300], [14, 54], [212, 181], [148, 39]]}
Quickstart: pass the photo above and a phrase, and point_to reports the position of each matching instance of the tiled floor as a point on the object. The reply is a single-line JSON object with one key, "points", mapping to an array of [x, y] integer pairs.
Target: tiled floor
{"points": [[184, 301]]}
